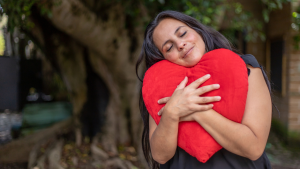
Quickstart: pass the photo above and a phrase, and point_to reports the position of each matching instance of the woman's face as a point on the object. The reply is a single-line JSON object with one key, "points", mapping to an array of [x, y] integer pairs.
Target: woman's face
{"points": [[178, 42]]}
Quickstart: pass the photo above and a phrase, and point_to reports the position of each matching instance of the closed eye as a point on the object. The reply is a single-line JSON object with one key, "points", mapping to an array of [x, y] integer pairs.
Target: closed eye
{"points": [[183, 34], [169, 48]]}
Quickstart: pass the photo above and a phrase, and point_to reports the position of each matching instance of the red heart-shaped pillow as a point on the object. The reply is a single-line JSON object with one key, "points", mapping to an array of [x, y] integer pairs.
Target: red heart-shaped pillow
{"points": [[226, 68]]}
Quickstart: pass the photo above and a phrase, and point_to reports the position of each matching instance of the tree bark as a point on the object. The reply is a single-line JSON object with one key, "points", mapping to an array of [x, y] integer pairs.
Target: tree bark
{"points": [[66, 56], [109, 45], [71, 63], [112, 49]]}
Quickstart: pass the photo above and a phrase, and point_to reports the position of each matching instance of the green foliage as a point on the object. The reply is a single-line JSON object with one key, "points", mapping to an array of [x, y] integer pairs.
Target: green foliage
{"points": [[207, 12], [243, 21], [210, 12], [280, 130], [20, 10], [295, 26], [271, 5], [296, 39], [290, 138]]}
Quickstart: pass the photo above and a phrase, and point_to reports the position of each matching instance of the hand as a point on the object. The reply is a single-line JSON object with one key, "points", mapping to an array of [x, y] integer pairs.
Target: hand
{"points": [[187, 100]]}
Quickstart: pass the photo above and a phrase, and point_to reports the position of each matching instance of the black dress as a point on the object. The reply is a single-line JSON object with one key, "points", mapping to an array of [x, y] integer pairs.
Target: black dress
{"points": [[222, 159]]}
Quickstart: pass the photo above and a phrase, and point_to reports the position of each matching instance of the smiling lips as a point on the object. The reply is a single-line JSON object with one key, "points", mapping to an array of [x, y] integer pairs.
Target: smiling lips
{"points": [[188, 52]]}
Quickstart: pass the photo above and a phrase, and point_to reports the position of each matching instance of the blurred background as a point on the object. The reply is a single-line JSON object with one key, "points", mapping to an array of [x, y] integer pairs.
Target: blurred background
{"points": [[69, 94]]}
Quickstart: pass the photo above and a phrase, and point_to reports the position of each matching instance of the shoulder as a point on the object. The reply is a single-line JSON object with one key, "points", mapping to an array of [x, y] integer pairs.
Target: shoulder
{"points": [[257, 80], [250, 60], [255, 72]]}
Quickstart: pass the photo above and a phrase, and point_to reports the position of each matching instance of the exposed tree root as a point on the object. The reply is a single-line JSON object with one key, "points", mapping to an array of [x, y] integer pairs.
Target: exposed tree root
{"points": [[19, 150]]}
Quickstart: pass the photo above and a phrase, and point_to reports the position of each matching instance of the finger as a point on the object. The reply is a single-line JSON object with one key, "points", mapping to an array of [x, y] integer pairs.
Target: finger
{"points": [[202, 100], [182, 83], [199, 81], [205, 89], [197, 108], [203, 107], [160, 111], [163, 100]]}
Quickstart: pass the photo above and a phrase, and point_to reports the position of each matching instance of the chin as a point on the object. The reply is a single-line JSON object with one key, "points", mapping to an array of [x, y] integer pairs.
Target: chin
{"points": [[190, 64], [193, 62]]}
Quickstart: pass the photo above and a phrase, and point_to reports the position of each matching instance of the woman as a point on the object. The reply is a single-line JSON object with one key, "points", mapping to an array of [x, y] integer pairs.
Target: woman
{"points": [[182, 40]]}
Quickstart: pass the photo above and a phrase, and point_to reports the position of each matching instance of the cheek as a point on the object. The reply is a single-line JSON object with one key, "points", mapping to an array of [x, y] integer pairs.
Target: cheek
{"points": [[193, 38], [201, 45], [171, 57]]}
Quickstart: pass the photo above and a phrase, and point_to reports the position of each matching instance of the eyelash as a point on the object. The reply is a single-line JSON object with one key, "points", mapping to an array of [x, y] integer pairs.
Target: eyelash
{"points": [[169, 48], [180, 36], [183, 34]]}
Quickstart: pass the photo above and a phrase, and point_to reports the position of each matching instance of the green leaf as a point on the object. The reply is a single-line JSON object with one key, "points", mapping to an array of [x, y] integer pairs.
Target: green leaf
{"points": [[238, 10], [262, 36], [279, 4], [272, 6], [265, 15], [210, 10], [295, 14], [206, 20]]}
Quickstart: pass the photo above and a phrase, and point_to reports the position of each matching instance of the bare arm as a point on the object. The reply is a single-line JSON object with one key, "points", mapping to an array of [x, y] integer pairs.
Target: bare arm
{"points": [[163, 137], [249, 138]]}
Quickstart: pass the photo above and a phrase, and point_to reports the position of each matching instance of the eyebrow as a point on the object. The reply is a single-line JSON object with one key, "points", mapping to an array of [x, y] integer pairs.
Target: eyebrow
{"points": [[174, 34]]}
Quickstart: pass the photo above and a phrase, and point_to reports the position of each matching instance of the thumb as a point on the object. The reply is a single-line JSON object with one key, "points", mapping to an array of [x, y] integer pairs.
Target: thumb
{"points": [[183, 83]]}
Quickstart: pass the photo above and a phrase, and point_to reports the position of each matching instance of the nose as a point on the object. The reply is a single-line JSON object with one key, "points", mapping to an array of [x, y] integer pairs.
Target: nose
{"points": [[181, 45]]}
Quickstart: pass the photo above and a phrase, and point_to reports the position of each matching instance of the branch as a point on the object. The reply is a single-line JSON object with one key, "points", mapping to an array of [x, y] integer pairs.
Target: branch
{"points": [[75, 19]]}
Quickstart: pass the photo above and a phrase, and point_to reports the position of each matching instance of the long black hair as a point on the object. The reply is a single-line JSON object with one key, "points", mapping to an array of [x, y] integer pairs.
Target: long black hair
{"points": [[212, 40]]}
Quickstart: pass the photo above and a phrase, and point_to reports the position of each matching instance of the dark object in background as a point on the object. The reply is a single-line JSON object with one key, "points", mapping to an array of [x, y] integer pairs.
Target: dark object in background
{"points": [[16, 80], [9, 78], [38, 116], [277, 50], [92, 116], [30, 77], [13, 165]]}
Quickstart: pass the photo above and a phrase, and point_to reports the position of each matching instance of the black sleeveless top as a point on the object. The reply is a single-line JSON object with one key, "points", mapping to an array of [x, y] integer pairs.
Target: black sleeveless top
{"points": [[222, 159]]}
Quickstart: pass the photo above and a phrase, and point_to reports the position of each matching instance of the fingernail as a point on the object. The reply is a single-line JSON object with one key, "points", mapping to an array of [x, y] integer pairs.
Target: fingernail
{"points": [[212, 105], [158, 113], [216, 85], [158, 101], [208, 75], [219, 97]]}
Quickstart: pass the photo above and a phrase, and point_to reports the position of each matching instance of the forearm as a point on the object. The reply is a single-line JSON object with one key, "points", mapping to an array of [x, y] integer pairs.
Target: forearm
{"points": [[234, 137], [163, 141]]}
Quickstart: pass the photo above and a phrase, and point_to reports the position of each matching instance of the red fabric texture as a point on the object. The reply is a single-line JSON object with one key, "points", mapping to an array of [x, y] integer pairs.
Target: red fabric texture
{"points": [[226, 68]]}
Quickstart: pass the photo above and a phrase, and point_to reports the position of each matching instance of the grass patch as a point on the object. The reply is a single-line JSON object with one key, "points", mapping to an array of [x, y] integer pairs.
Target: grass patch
{"points": [[289, 139]]}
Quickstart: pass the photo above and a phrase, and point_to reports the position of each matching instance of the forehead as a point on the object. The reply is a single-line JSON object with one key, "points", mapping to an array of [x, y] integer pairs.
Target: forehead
{"points": [[165, 29]]}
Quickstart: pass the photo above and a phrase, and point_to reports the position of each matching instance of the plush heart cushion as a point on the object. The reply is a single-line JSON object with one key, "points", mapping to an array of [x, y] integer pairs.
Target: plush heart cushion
{"points": [[226, 68]]}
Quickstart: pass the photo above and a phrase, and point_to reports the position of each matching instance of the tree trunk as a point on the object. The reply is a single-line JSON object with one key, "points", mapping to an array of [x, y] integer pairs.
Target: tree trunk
{"points": [[112, 57], [112, 51]]}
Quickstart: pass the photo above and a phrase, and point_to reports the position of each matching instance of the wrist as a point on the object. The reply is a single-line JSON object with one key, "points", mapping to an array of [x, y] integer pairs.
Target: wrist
{"points": [[169, 114], [200, 117]]}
